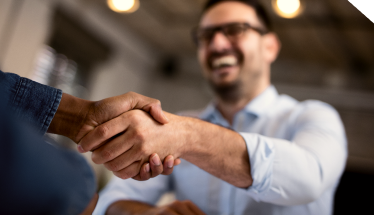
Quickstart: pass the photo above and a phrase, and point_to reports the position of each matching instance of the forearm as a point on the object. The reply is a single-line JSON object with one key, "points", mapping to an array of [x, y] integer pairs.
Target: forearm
{"points": [[70, 116], [128, 207], [217, 150]]}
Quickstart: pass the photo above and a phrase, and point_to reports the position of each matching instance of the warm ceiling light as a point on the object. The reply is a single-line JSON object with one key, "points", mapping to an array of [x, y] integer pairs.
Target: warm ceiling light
{"points": [[123, 6], [287, 8]]}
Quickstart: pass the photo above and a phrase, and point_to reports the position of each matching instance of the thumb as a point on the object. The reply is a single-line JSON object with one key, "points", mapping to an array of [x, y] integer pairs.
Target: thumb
{"points": [[158, 114], [152, 106]]}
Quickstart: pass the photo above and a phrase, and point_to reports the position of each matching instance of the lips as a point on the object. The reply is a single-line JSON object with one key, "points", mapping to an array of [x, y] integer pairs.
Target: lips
{"points": [[226, 58], [224, 61]]}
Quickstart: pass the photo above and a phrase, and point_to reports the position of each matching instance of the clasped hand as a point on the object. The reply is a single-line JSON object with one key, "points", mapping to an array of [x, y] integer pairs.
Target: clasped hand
{"points": [[128, 153], [123, 132]]}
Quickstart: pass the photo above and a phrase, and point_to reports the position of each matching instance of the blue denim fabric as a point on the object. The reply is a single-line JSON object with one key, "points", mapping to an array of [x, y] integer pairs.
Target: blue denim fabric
{"points": [[36, 177], [34, 103]]}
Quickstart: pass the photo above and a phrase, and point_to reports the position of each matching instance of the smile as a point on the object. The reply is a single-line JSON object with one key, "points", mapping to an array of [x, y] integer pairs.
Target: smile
{"points": [[225, 61]]}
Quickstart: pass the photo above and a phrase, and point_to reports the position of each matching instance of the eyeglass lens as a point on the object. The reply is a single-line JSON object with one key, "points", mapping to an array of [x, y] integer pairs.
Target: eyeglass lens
{"points": [[231, 31]]}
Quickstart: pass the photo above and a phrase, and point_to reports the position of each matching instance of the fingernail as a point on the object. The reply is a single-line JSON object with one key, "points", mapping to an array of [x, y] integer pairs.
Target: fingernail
{"points": [[169, 163], [156, 160], [147, 169], [80, 149]]}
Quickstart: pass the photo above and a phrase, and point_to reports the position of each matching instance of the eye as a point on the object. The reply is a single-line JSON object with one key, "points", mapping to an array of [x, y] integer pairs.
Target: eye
{"points": [[205, 35], [233, 30]]}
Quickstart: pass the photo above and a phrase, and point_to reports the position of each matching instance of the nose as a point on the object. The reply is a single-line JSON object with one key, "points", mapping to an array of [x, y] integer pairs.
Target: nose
{"points": [[219, 42]]}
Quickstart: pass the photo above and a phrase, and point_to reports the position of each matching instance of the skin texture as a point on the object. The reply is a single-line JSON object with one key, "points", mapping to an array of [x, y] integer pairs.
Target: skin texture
{"points": [[188, 138], [217, 150], [76, 117]]}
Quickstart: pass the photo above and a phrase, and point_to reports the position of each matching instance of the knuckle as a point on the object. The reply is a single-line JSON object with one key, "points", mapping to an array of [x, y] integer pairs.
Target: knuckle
{"points": [[112, 166], [127, 173], [140, 136], [122, 175], [103, 131], [107, 154], [157, 102], [143, 149], [131, 94]]}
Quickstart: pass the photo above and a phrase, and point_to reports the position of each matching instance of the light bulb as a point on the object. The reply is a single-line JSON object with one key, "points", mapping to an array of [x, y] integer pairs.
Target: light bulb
{"points": [[287, 8], [123, 6]]}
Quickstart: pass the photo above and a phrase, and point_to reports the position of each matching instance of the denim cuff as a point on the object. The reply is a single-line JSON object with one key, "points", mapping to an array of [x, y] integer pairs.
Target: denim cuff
{"points": [[35, 103]]}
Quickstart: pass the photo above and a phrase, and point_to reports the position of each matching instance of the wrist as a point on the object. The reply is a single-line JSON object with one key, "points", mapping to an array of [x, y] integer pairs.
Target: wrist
{"points": [[187, 135], [70, 116]]}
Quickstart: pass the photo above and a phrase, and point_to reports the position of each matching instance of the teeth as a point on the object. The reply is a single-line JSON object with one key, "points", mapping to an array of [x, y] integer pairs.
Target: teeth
{"points": [[225, 61]]}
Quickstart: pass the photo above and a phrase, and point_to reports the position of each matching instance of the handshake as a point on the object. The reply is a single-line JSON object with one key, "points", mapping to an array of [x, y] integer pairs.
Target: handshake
{"points": [[129, 134]]}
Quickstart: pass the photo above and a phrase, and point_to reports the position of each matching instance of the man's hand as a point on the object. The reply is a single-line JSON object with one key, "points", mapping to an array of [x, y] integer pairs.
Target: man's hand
{"points": [[142, 135], [177, 208], [135, 207], [76, 117], [215, 149], [156, 167]]}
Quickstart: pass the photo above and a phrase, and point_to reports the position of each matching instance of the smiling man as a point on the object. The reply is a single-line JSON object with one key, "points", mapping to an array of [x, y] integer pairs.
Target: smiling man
{"points": [[252, 151]]}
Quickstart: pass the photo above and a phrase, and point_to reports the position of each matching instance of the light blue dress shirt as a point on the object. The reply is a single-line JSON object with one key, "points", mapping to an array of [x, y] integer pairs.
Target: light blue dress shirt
{"points": [[297, 152]]}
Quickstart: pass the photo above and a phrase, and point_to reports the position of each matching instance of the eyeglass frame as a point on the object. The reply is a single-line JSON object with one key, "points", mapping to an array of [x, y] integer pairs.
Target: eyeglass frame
{"points": [[220, 28]]}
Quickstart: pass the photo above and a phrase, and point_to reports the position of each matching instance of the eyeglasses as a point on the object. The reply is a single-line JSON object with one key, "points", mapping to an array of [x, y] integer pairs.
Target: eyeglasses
{"points": [[203, 36]]}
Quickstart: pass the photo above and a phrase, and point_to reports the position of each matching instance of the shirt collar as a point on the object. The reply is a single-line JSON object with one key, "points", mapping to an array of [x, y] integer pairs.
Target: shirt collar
{"points": [[257, 106]]}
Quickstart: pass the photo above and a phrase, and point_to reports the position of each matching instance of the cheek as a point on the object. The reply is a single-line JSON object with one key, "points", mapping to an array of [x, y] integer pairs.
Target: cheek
{"points": [[202, 56], [251, 53]]}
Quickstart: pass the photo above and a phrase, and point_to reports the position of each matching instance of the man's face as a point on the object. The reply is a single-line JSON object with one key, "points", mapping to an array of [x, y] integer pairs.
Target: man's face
{"points": [[226, 61]]}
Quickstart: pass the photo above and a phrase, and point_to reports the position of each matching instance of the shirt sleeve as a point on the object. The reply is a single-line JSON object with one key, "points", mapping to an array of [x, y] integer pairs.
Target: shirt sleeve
{"points": [[38, 178], [145, 191], [34, 103], [299, 170]]}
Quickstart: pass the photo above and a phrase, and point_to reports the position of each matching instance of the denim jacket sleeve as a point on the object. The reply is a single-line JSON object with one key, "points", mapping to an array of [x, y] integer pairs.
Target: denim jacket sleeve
{"points": [[34, 103], [37, 177]]}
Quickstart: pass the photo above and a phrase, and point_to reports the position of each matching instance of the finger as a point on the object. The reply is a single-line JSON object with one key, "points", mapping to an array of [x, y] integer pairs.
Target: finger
{"points": [[196, 210], [104, 132], [123, 161], [113, 148], [168, 165], [177, 162], [156, 165], [128, 172], [152, 106], [167, 211], [181, 207], [144, 174]]}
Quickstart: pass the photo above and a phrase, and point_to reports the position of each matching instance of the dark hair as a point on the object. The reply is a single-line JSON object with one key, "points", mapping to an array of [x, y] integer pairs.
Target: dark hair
{"points": [[255, 4]]}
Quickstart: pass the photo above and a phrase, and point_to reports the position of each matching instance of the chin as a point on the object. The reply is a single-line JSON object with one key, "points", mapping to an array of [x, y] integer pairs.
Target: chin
{"points": [[224, 82]]}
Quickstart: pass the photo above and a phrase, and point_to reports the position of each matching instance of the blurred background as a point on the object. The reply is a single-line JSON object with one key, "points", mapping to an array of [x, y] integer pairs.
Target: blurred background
{"points": [[90, 50]]}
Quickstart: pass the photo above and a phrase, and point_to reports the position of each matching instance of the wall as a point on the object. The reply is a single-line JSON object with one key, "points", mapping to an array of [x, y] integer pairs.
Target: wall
{"points": [[24, 27]]}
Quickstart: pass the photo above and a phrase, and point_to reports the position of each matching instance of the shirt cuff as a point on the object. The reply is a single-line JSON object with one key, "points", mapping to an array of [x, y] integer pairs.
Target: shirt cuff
{"points": [[35, 103], [261, 152]]}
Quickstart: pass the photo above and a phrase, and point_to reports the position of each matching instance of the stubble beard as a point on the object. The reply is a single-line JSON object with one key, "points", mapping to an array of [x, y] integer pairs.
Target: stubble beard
{"points": [[228, 93]]}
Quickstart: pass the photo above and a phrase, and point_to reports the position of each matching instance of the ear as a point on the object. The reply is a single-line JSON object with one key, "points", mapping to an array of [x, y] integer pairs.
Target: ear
{"points": [[271, 47]]}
